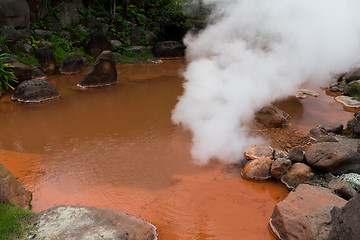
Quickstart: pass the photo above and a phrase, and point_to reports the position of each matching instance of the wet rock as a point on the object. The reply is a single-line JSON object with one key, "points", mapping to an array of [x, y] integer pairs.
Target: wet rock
{"points": [[72, 64], [46, 59], [15, 13], [38, 73], [280, 167], [257, 169], [304, 93], [77, 222], [168, 49], [305, 213], [136, 35], [96, 43], [353, 179], [102, 73], [22, 72], [259, 151], [151, 38], [354, 124], [316, 133], [342, 188], [352, 75], [271, 117], [43, 33], [299, 173], [68, 14], [348, 101], [333, 157], [296, 154], [332, 127], [11, 191], [346, 221], [34, 90]]}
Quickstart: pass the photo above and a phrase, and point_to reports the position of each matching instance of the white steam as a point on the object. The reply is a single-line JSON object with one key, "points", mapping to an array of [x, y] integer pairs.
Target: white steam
{"points": [[252, 53]]}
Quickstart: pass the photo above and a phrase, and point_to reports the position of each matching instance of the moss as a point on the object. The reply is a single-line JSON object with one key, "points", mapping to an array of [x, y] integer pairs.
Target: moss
{"points": [[353, 90], [15, 222], [28, 60]]}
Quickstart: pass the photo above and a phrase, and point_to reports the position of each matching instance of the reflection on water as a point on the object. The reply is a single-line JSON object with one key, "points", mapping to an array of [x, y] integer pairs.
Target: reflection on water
{"points": [[116, 147]]}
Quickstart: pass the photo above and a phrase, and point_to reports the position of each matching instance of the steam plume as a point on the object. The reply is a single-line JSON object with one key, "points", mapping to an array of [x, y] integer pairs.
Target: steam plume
{"points": [[252, 53]]}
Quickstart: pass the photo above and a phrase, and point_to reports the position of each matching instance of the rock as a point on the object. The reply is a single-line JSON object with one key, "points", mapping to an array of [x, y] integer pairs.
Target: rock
{"points": [[55, 24], [72, 64], [168, 49], [296, 154], [24, 48], [76, 44], [92, 22], [259, 151], [38, 73], [271, 117], [299, 173], [96, 43], [354, 124], [257, 169], [352, 89], [22, 72], [280, 154], [352, 75], [46, 44], [333, 157], [279, 167], [316, 133], [82, 30], [336, 83], [46, 59], [34, 90], [348, 101], [78, 222], [342, 188], [151, 38], [346, 221], [43, 33], [138, 50], [304, 93], [332, 127], [11, 34], [68, 14], [15, 13], [11, 191], [326, 139], [305, 213], [65, 34], [353, 179], [103, 72], [115, 43], [136, 35]]}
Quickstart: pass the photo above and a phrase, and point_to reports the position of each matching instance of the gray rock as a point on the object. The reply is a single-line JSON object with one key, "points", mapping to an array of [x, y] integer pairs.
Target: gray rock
{"points": [[332, 127], [336, 83], [333, 157], [115, 43], [103, 72], [72, 64], [280, 167], [346, 221], [136, 35], [15, 13], [354, 124], [46, 44], [92, 22], [304, 93], [46, 59], [280, 154], [298, 174], [22, 71], [316, 133], [296, 154], [137, 50], [342, 188], [352, 75], [43, 33], [96, 43], [68, 14], [78, 222], [348, 101], [305, 214], [353, 179], [151, 38], [34, 90], [11, 34], [24, 47], [257, 169], [168, 49]]}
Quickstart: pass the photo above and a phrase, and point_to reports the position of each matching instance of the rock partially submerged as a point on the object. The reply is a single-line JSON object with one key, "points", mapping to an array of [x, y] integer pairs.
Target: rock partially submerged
{"points": [[34, 90], [77, 222], [168, 49], [305, 213], [72, 64], [304, 93], [348, 101], [11, 191], [271, 117]]}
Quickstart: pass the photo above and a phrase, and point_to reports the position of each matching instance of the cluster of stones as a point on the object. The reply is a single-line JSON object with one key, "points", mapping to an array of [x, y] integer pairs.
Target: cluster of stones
{"points": [[324, 180]]}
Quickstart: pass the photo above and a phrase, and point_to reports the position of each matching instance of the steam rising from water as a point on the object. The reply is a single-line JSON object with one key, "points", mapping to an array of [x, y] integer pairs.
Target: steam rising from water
{"points": [[252, 53]]}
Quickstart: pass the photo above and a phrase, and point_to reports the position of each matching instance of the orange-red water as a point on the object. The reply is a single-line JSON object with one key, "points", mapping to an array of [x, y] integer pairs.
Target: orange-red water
{"points": [[116, 147]]}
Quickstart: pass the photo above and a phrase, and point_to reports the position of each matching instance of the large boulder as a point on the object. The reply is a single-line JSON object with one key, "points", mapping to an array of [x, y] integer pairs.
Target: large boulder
{"points": [[72, 64], [102, 73], [68, 14], [11, 191], [354, 124], [271, 117], [34, 90], [78, 222], [299, 173], [47, 60], [305, 214], [352, 75], [333, 157], [257, 169], [168, 49], [12, 35], [96, 43], [346, 221], [15, 13]]}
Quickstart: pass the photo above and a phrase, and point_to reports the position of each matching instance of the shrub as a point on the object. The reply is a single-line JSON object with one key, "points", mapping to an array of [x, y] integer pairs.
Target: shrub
{"points": [[6, 73]]}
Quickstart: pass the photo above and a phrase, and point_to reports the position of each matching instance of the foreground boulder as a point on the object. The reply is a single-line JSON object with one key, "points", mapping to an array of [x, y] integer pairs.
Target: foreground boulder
{"points": [[257, 169], [333, 157], [70, 222], [47, 60], [72, 64], [35, 90], [346, 221], [168, 49], [305, 213], [11, 191], [15, 13], [271, 117], [102, 73]]}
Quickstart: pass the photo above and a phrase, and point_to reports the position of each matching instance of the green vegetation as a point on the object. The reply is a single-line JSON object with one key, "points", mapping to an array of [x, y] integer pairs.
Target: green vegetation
{"points": [[6, 73], [130, 57], [353, 90], [15, 222], [29, 60]]}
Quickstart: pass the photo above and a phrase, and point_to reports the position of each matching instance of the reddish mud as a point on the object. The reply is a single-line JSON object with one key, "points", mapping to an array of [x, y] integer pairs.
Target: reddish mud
{"points": [[116, 147]]}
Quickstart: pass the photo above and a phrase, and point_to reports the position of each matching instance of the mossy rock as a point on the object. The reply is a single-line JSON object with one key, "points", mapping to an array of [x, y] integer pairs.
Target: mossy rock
{"points": [[353, 89]]}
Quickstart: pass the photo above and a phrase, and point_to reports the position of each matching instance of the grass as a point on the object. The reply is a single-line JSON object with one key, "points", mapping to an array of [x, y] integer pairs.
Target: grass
{"points": [[28, 60], [353, 90], [15, 222], [129, 57]]}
